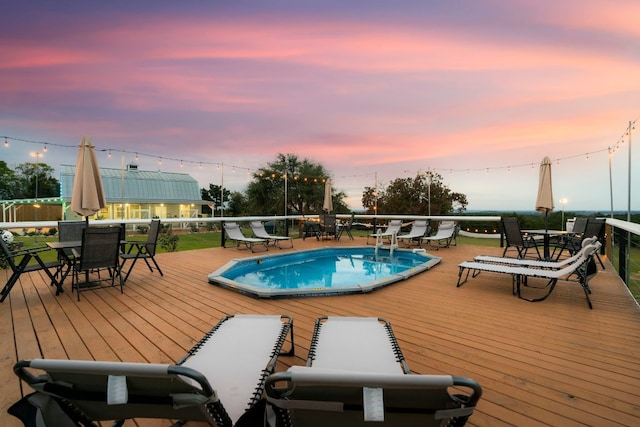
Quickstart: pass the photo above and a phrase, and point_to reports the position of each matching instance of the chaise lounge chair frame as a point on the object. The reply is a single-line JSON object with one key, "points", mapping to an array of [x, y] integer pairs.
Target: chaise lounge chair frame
{"points": [[520, 274], [330, 392], [235, 234], [257, 227], [209, 384]]}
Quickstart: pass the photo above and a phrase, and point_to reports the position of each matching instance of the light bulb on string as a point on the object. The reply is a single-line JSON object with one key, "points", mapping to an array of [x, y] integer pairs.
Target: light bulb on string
{"points": [[109, 154], [45, 148], [6, 143]]}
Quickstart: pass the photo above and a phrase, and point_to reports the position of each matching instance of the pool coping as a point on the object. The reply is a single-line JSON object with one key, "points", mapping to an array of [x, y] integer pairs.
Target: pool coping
{"points": [[216, 278]]}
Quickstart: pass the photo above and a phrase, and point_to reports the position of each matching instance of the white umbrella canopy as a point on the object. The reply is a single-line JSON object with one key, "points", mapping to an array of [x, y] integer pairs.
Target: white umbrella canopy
{"points": [[544, 201], [328, 200], [88, 195]]}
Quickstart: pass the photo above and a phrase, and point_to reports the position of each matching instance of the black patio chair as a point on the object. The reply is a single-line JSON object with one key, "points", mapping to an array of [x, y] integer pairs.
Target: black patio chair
{"points": [[593, 227], [345, 228], [100, 251], [515, 239], [145, 250], [329, 226], [19, 262], [68, 231]]}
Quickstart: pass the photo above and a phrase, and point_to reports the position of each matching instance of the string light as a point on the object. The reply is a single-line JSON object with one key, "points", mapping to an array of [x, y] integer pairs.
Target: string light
{"points": [[611, 150]]}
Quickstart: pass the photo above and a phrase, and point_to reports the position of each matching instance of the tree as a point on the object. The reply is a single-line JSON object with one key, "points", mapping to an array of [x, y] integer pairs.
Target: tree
{"points": [[425, 194], [8, 182], [370, 200], [213, 194], [30, 176], [304, 181]]}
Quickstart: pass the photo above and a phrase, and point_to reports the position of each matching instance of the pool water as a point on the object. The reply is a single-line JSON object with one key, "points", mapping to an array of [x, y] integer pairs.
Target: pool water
{"points": [[325, 271]]}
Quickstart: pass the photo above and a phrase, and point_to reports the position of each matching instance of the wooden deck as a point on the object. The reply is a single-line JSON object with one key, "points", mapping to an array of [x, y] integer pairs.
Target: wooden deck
{"points": [[554, 363]]}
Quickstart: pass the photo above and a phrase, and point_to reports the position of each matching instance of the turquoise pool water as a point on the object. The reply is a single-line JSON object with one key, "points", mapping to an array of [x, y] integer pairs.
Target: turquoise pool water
{"points": [[324, 271]]}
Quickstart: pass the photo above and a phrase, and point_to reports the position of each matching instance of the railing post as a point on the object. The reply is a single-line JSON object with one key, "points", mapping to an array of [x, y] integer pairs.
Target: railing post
{"points": [[222, 236], [622, 255]]}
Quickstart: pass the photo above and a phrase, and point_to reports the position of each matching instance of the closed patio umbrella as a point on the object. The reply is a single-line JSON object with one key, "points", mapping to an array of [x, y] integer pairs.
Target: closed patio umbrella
{"points": [[328, 201], [544, 202], [88, 195]]}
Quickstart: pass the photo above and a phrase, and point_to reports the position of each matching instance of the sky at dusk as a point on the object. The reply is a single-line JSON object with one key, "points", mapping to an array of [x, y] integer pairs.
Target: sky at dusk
{"points": [[477, 91]]}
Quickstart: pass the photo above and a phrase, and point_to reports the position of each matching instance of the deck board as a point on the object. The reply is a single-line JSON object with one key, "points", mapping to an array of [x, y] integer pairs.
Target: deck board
{"points": [[552, 363]]}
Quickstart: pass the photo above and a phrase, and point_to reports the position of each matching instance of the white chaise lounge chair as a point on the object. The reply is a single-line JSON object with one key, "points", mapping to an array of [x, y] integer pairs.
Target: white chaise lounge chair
{"points": [[220, 377], [415, 235], [393, 227], [444, 236], [260, 232], [235, 234], [520, 274], [356, 376]]}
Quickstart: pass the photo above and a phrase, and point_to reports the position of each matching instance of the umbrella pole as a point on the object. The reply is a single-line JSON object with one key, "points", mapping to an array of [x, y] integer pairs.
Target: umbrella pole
{"points": [[546, 221]]}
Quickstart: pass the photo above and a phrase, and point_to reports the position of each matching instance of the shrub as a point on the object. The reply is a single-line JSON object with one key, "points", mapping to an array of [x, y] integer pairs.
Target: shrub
{"points": [[168, 242]]}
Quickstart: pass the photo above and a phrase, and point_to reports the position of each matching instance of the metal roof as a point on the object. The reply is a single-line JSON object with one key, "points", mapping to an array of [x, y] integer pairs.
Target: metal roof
{"points": [[137, 186]]}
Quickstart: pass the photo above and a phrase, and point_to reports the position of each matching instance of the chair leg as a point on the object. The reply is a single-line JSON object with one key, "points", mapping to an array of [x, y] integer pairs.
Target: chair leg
{"points": [[156, 264]]}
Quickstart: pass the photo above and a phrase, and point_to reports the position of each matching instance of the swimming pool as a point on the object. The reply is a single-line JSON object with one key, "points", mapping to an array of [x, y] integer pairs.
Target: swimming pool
{"points": [[323, 271]]}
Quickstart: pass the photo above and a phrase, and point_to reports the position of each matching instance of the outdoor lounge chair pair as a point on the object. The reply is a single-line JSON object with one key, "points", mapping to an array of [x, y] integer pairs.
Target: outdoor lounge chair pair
{"points": [[445, 235], [522, 270], [221, 377], [261, 233], [356, 375], [234, 233]]}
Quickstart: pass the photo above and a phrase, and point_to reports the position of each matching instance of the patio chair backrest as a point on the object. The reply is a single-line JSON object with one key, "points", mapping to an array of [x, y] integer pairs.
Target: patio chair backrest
{"points": [[594, 227], [419, 228], [258, 229], [100, 248], [579, 225], [152, 237], [317, 397], [512, 232], [233, 230], [70, 231], [329, 221]]}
